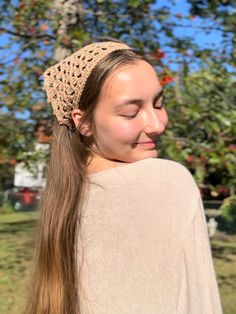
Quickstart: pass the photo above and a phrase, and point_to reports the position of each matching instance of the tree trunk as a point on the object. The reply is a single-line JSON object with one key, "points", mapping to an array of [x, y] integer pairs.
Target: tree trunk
{"points": [[71, 13]]}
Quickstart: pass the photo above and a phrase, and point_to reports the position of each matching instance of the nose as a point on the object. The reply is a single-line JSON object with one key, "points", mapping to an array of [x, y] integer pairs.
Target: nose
{"points": [[155, 122]]}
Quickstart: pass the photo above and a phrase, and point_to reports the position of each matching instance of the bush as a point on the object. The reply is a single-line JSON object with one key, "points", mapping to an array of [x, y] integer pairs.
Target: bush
{"points": [[227, 220]]}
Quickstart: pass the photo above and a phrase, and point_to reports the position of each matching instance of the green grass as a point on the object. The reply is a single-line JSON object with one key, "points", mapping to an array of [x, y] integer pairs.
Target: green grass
{"points": [[16, 243], [17, 231], [17, 217], [224, 252]]}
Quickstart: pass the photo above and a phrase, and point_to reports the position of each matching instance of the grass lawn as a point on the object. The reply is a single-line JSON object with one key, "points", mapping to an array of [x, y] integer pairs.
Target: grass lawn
{"points": [[16, 243], [224, 252], [16, 247]]}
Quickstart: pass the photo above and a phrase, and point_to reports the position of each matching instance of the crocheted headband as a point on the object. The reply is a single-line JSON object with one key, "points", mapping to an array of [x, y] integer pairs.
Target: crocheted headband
{"points": [[64, 82]]}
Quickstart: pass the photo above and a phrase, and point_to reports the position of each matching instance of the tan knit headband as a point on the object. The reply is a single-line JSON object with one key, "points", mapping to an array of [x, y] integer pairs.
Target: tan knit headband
{"points": [[64, 82]]}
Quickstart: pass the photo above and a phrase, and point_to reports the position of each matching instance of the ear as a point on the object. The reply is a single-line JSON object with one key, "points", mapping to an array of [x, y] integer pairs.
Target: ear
{"points": [[77, 116]]}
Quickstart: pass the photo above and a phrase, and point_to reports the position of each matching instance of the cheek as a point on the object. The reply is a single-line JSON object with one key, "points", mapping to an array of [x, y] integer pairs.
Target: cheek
{"points": [[128, 130], [119, 129]]}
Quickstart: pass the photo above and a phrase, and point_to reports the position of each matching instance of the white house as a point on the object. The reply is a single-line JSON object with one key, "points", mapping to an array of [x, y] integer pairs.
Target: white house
{"points": [[32, 179]]}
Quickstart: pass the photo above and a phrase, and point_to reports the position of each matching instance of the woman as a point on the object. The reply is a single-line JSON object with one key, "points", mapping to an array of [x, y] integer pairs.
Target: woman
{"points": [[121, 231]]}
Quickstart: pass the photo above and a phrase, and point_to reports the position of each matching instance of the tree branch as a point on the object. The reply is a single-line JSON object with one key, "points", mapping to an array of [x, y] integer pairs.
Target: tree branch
{"points": [[23, 35]]}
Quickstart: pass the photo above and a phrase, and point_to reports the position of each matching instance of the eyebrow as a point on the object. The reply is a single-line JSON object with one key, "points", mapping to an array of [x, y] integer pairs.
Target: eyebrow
{"points": [[139, 101]]}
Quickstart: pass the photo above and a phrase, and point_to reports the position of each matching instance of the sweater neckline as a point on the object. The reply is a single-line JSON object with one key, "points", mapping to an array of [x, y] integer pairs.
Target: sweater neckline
{"points": [[126, 166]]}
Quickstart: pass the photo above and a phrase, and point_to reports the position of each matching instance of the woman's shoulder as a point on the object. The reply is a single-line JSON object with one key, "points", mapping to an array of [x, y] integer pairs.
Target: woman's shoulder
{"points": [[170, 173], [168, 169], [141, 166], [147, 172], [162, 189], [164, 165], [146, 167]]}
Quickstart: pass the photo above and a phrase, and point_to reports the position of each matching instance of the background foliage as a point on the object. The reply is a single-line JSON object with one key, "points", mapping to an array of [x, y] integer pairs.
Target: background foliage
{"points": [[199, 79]]}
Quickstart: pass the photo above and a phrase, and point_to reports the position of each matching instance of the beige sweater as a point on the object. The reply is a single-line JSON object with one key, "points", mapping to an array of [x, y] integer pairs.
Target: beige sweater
{"points": [[145, 243]]}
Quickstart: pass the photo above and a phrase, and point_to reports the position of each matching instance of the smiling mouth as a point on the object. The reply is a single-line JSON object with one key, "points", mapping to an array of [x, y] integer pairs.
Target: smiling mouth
{"points": [[149, 144]]}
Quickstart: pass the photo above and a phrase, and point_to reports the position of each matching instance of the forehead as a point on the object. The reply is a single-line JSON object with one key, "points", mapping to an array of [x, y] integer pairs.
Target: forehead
{"points": [[138, 79]]}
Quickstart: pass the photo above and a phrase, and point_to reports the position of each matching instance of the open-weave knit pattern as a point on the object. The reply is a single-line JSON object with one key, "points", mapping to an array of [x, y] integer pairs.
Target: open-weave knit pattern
{"points": [[64, 81]]}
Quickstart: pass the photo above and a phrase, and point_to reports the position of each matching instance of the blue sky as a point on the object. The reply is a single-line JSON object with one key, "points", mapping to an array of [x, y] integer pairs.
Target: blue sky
{"points": [[200, 37], [189, 28]]}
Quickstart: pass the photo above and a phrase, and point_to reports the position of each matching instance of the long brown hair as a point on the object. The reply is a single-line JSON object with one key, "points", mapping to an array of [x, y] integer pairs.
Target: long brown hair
{"points": [[55, 280]]}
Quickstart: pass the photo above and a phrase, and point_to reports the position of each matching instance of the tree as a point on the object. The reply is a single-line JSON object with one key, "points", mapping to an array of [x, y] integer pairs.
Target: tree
{"points": [[43, 31], [202, 105], [223, 14]]}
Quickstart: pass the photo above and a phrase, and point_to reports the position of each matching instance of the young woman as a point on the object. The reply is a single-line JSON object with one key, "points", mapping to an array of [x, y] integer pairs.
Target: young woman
{"points": [[121, 231]]}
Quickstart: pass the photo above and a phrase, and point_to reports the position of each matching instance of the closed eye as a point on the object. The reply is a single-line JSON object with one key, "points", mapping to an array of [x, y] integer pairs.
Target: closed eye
{"points": [[129, 116]]}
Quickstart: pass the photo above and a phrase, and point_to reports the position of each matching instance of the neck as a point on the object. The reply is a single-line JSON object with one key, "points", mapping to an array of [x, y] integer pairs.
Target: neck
{"points": [[99, 163]]}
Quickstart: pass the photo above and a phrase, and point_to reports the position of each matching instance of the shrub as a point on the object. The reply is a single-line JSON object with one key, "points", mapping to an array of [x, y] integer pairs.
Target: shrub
{"points": [[227, 220]]}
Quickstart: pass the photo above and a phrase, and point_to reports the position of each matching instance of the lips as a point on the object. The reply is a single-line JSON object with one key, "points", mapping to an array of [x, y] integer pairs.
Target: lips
{"points": [[148, 144]]}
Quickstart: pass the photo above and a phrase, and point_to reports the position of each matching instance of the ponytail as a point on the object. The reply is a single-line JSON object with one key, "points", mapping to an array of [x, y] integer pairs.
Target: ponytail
{"points": [[55, 285]]}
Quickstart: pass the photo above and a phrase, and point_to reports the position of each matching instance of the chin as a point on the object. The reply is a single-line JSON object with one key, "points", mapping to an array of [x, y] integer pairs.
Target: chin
{"points": [[148, 154]]}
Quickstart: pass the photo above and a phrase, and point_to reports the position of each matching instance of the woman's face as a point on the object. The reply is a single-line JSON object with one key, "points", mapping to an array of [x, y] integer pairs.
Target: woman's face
{"points": [[130, 117]]}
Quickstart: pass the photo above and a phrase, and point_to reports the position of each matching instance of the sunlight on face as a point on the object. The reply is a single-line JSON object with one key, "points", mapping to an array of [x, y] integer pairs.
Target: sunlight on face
{"points": [[130, 117]]}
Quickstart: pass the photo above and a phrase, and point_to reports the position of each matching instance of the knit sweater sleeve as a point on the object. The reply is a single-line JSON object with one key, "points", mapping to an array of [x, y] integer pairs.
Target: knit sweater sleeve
{"points": [[195, 280]]}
